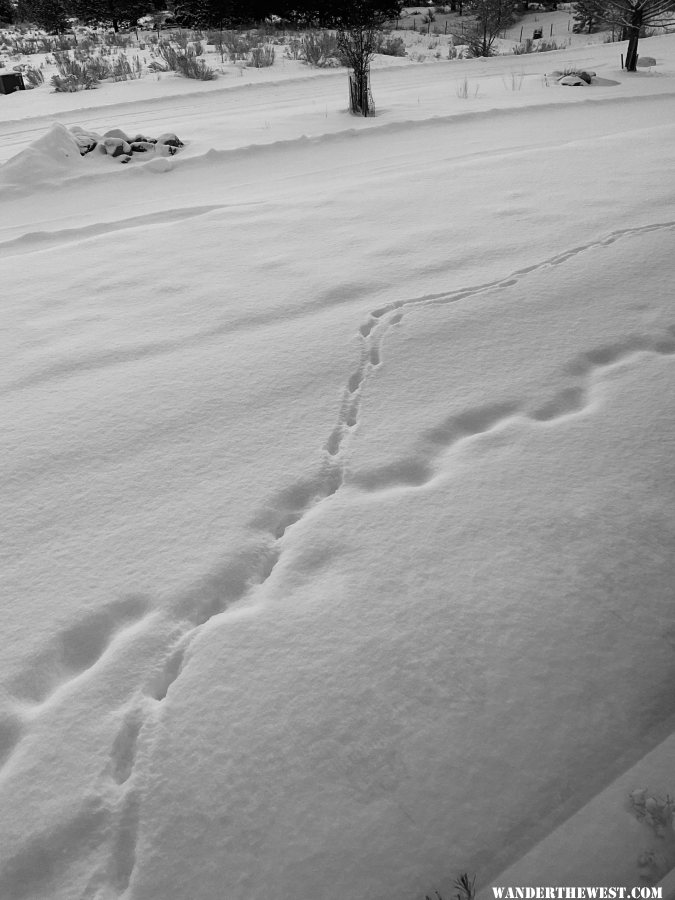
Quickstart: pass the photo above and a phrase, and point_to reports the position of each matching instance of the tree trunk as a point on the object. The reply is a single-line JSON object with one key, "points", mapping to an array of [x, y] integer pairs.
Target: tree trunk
{"points": [[633, 38]]}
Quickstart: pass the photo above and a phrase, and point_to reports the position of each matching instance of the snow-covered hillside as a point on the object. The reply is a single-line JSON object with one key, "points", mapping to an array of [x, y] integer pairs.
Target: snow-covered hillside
{"points": [[338, 505]]}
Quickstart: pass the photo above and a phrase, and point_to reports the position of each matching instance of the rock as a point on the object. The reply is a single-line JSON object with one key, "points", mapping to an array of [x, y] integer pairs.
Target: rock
{"points": [[116, 146], [645, 62], [170, 139], [142, 147], [165, 149], [117, 133], [144, 138], [86, 140], [572, 81]]}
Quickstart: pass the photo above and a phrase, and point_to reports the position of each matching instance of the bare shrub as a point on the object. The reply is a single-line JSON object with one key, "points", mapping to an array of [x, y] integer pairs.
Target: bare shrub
{"points": [[261, 56], [319, 48]]}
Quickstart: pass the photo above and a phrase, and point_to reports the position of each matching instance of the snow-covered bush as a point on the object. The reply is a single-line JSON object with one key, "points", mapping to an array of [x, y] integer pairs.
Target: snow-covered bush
{"points": [[75, 75], [33, 77], [261, 56], [238, 45], [184, 63]]}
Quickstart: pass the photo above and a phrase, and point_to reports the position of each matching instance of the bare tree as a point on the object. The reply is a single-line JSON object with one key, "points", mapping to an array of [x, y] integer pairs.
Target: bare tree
{"points": [[632, 16], [357, 48], [492, 17], [358, 24]]}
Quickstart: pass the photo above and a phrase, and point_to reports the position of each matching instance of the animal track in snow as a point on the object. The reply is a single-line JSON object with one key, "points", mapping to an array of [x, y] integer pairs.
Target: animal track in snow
{"points": [[76, 649], [418, 469], [471, 422], [11, 732], [569, 400], [123, 857], [172, 669], [123, 755]]}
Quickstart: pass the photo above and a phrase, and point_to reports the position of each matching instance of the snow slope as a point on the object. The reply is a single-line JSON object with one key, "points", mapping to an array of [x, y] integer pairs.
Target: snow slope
{"points": [[338, 505]]}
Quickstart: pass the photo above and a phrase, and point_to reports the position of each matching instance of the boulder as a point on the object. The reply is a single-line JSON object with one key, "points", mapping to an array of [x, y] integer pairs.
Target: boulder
{"points": [[86, 140], [170, 139], [646, 62], [572, 81], [116, 146], [117, 133], [144, 138], [142, 146]]}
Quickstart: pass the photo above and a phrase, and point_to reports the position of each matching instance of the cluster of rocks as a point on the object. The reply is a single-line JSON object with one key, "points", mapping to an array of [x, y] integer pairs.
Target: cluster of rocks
{"points": [[121, 146], [572, 79]]}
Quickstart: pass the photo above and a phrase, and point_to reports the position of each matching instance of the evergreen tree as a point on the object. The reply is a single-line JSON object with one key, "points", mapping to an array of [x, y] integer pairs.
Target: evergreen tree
{"points": [[6, 12], [217, 14], [49, 15], [115, 13]]}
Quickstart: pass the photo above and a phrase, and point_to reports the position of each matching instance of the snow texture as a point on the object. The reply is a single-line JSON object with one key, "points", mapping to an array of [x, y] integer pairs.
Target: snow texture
{"points": [[338, 504]]}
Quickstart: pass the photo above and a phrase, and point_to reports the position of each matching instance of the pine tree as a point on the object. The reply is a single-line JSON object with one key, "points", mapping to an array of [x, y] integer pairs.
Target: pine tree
{"points": [[49, 15], [6, 12], [115, 13]]}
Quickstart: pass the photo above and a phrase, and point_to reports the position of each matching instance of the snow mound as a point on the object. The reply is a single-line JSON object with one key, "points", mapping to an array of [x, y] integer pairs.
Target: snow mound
{"points": [[50, 157]]}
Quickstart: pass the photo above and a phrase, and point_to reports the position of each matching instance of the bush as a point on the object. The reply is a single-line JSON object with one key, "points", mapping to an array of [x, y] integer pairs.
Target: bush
{"points": [[392, 46], [261, 57], [34, 77], [123, 70], [238, 45], [184, 63], [294, 49], [318, 49], [526, 47], [114, 39], [77, 76]]}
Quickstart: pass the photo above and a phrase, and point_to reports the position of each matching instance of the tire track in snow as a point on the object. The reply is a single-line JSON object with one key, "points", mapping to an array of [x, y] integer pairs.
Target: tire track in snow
{"points": [[33, 241]]}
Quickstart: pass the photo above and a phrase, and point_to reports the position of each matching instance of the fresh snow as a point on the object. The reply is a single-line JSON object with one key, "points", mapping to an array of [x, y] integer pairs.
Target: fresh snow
{"points": [[338, 505]]}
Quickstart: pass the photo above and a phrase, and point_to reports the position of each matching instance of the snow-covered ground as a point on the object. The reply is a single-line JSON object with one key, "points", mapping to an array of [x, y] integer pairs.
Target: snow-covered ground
{"points": [[338, 497]]}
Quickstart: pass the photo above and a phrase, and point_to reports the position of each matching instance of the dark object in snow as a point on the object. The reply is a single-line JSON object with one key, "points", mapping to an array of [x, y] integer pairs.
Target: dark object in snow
{"points": [[142, 146], [645, 62], [10, 82], [537, 34], [170, 139], [116, 146], [117, 133], [144, 139], [572, 81], [86, 140]]}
